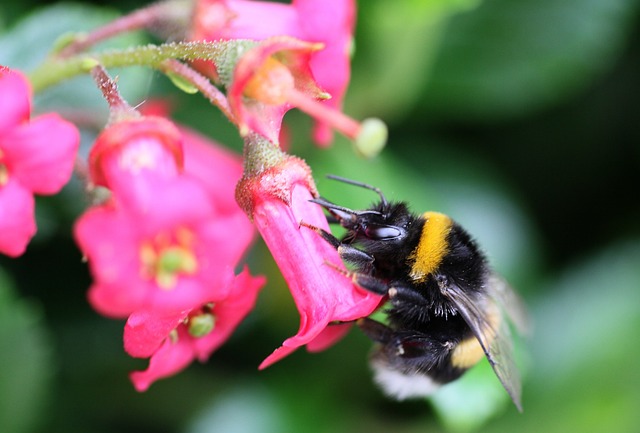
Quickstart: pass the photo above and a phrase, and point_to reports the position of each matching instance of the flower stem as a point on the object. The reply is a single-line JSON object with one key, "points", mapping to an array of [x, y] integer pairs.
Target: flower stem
{"points": [[200, 82], [148, 17], [349, 127], [260, 154], [118, 107], [55, 70]]}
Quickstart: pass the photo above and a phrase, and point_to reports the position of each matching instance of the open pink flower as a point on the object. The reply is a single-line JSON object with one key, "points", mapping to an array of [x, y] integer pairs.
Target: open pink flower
{"points": [[36, 157], [159, 246], [278, 200], [172, 342], [329, 22], [267, 81]]}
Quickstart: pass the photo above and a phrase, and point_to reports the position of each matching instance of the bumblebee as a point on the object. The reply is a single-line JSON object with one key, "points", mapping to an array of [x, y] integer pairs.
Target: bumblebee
{"points": [[446, 308]]}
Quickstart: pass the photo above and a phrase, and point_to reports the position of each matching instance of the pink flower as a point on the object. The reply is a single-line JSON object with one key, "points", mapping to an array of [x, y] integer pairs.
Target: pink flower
{"points": [[36, 157], [275, 76], [170, 231], [329, 22], [172, 342], [278, 200], [134, 146], [217, 169], [158, 245]]}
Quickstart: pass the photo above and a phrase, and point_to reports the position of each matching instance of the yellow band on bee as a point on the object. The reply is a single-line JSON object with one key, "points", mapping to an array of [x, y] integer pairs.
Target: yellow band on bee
{"points": [[432, 246], [469, 351]]}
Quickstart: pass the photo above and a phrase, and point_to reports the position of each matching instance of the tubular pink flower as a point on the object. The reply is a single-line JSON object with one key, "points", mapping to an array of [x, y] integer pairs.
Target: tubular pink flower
{"points": [[271, 78], [173, 342], [328, 22], [36, 157], [269, 75], [277, 199], [158, 246]]}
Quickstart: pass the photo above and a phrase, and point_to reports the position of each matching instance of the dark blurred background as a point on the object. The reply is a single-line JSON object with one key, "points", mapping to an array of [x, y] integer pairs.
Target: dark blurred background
{"points": [[517, 118]]}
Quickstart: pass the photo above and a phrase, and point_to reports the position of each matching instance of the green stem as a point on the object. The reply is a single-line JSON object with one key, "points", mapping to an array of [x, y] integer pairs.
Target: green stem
{"points": [[260, 154], [164, 13], [55, 70]]}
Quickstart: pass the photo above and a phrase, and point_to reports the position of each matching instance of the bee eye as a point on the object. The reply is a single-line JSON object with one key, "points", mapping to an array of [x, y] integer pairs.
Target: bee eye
{"points": [[380, 232]]}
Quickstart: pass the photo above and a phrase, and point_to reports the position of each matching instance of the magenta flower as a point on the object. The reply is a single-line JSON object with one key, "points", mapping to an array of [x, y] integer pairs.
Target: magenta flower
{"points": [[135, 146], [166, 237], [267, 81], [217, 169], [278, 200], [329, 22], [172, 342], [154, 246], [36, 157]]}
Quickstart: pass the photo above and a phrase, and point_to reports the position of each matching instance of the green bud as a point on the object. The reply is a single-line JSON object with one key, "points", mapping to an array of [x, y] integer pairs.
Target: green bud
{"points": [[372, 138], [201, 325]]}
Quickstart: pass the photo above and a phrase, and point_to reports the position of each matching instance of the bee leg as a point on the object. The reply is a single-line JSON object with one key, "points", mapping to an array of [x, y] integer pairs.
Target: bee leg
{"points": [[366, 281], [375, 330], [358, 258], [334, 241], [407, 295]]}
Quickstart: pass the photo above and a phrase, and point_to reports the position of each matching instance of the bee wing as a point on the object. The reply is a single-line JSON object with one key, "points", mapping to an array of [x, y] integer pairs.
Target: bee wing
{"points": [[486, 321], [510, 302]]}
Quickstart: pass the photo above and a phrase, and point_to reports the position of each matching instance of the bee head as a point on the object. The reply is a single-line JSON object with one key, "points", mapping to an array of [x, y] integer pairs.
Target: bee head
{"points": [[383, 223]]}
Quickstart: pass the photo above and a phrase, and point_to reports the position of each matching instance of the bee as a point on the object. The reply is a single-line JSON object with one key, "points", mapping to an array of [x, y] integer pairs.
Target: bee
{"points": [[446, 308]]}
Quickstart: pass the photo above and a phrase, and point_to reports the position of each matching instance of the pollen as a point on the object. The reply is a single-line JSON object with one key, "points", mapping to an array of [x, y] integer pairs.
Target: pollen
{"points": [[167, 257], [432, 246], [271, 83], [4, 174], [4, 170]]}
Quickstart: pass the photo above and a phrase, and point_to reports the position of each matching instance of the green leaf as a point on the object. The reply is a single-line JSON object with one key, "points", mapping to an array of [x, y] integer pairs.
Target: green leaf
{"points": [[508, 57], [182, 83], [401, 39], [29, 42], [27, 364]]}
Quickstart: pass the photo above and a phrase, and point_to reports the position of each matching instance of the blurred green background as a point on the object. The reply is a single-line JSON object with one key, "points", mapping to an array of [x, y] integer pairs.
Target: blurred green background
{"points": [[518, 118]]}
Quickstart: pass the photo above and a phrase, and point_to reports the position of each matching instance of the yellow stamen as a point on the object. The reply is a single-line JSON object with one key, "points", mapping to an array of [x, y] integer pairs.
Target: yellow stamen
{"points": [[271, 83], [168, 257]]}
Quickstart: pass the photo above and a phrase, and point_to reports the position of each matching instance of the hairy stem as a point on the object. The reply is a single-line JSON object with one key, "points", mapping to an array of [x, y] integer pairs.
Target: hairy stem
{"points": [[155, 15], [55, 70]]}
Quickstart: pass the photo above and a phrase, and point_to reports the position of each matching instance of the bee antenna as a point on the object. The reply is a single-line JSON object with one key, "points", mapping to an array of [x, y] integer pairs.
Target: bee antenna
{"points": [[334, 207], [383, 199]]}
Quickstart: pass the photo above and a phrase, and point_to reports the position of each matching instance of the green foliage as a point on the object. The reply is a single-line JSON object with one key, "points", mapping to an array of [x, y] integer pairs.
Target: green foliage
{"points": [[540, 196], [27, 362], [509, 58], [29, 42]]}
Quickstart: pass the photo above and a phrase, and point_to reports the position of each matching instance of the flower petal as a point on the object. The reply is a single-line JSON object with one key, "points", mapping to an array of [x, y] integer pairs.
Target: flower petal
{"points": [[135, 146], [169, 359], [17, 222], [245, 20], [145, 331], [321, 293], [42, 153], [258, 116], [15, 104], [217, 169], [331, 22], [230, 312]]}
